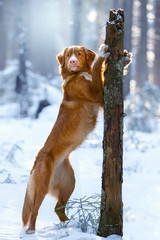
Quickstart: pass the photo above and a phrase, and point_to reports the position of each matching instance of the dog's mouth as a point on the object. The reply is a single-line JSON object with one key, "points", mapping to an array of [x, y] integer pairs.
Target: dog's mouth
{"points": [[74, 67]]}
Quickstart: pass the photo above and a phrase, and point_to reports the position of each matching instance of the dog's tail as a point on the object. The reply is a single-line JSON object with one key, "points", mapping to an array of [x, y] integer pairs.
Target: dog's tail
{"points": [[28, 203]]}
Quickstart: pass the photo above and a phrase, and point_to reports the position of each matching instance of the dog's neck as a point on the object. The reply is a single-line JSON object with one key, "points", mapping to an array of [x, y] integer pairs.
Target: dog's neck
{"points": [[69, 74]]}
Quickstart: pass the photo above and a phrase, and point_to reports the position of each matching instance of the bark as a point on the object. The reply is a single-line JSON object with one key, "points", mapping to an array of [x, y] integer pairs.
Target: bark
{"points": [[156, 67], [111, 200]]}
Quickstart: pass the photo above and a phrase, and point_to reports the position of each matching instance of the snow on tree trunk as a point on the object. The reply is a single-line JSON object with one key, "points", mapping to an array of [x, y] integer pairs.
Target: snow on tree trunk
{"points": [[111, 198]]}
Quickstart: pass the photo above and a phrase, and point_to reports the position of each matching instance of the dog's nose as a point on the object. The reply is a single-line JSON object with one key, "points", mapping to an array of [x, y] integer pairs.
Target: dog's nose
{"points": [[73, 61]]}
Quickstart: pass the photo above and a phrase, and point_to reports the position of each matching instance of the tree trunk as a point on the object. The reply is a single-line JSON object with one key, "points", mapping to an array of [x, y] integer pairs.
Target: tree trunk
{"points": [[2, 38], [76, 22], [128, 8], [141, 55], [156, 67], [21, 81], [111, 200], [116, 4]]}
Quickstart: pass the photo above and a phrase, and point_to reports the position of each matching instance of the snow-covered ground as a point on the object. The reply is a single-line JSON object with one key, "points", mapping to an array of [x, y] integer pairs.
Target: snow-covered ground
{"points": [[20, 140]]}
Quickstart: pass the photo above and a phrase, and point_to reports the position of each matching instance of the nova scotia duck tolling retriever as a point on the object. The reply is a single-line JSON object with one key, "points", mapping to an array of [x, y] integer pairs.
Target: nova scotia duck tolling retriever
{"points": [[52, 172]]}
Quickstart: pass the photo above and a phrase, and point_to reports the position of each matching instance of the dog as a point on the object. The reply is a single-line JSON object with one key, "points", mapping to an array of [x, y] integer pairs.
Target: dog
{"points": [[52, 172]]}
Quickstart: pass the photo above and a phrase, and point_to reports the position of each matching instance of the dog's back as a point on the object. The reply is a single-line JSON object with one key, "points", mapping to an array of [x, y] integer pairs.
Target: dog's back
{"points": [[52, 172]]}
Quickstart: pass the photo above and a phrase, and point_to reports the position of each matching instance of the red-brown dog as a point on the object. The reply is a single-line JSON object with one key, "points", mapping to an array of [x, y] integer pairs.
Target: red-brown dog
{"points": [[82, 96]]}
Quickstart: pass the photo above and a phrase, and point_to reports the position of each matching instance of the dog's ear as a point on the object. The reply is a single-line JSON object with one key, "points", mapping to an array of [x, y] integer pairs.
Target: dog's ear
{"points": [[61, 58], [90, 55]]}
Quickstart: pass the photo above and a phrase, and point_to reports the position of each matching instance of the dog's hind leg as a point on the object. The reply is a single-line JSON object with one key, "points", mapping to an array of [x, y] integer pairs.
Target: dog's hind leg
{"points": [[39, 186], [65, 188], [39, 196]]}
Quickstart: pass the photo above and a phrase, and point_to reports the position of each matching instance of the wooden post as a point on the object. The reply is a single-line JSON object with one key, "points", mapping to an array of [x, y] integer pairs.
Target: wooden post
{"points": [[111, 219]]}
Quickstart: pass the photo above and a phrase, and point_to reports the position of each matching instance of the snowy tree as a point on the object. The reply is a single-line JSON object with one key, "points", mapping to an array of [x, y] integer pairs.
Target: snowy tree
{"points": [[142, 108], [21, 80], [141, 55], [2, 38], [156, 45], [76, 22], [128, 8]]}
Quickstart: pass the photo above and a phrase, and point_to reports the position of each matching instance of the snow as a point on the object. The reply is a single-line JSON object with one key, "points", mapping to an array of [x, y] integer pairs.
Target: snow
{"points": [[19, 143], [39, 88]]}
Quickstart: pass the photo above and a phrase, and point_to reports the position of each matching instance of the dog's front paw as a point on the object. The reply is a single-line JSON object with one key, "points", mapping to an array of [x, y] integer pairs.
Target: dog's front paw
{"points": [[103, 51], [127, 58]]}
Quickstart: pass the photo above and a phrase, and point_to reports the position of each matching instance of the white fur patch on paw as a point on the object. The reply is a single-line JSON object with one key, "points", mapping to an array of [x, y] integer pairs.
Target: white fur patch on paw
{"points": [[103, 51]]}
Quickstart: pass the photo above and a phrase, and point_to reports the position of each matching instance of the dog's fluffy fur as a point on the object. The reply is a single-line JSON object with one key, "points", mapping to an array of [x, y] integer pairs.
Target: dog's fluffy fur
{"points": [[82, 96]]}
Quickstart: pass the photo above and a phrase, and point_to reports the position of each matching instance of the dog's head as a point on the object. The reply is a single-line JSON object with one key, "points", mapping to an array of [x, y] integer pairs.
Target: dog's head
{"points": [[76, 58]]}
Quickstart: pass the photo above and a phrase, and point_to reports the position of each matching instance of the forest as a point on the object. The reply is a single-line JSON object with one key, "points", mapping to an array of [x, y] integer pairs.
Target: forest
{"points": [[32, 34]]}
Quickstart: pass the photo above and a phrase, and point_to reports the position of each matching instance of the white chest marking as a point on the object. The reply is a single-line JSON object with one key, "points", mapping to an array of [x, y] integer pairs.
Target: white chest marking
{"points": [[86, 75]]}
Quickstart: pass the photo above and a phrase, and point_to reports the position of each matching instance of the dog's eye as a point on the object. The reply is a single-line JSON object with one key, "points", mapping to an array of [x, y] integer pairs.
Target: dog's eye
{"points": [[68, 55], [79, 54]]}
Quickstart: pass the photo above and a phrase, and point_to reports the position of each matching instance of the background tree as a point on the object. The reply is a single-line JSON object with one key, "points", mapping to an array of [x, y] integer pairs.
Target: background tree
{"points": [[157, 45], [21, 80], [47, 35], [128, 9], [75, 38], [117, 3], [2, 37], [141, 54]]}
